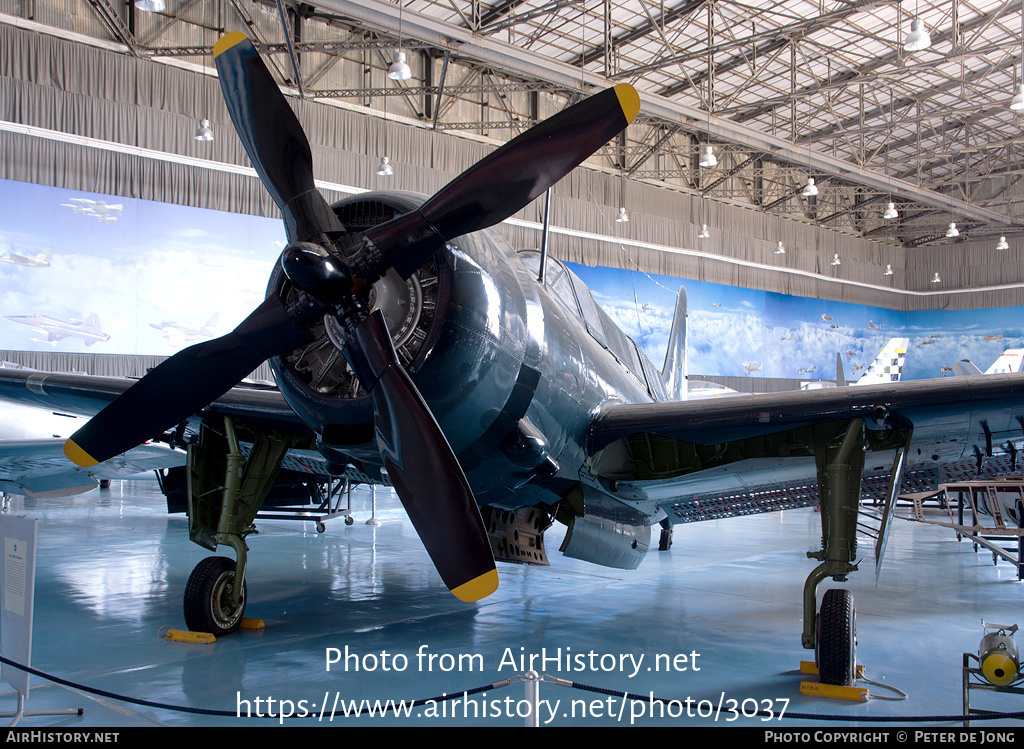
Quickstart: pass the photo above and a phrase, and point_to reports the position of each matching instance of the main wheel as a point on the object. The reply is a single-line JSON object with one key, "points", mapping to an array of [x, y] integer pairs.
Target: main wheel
{"points": [[207, 597], [836, 650]]}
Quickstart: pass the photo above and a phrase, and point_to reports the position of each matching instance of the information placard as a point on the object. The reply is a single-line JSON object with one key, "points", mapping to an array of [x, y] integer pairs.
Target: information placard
{"points": [[17, 583]]}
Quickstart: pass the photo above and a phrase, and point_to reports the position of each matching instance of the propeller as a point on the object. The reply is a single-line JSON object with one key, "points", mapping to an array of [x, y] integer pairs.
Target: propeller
{"points": [[332, 270]]}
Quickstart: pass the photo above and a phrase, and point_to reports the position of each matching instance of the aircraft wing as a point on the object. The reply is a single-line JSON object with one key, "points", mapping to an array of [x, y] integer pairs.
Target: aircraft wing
{"points": [[86, 395], [954, 405], [38, 468], [697, 460]]}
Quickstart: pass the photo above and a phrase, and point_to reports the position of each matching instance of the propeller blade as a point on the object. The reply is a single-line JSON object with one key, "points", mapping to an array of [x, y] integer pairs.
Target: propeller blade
{"points": [[184, 384], [422, 467], [506, 180], [273, 138]]}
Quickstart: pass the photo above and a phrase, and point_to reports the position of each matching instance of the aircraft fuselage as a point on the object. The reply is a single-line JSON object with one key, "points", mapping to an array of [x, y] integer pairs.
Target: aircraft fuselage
{"points": [[509, 367]]}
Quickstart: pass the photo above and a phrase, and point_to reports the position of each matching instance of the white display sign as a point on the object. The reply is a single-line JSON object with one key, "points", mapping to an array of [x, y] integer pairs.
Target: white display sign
{"points": [[17, 573]]}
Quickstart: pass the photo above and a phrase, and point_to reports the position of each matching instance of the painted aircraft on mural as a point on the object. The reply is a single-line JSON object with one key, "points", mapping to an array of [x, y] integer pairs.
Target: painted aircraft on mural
{"points": [[179, 334], [56, 330], [98, 209], [39, 260], [479, 391]]}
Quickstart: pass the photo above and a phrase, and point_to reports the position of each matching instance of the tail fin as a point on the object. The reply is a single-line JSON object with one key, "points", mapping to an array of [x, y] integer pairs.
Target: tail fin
{"points": [[840, 374], [210, 324], [92, 322], [1009, 361], [888, 365], [966, 368], [673, 374]]}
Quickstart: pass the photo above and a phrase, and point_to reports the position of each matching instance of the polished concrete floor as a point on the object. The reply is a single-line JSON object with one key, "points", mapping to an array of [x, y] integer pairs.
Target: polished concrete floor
{"points": [[716, 620]]}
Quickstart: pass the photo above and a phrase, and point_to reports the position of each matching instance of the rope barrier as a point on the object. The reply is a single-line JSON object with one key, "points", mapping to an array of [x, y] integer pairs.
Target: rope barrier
{"points": [[545, 678]]}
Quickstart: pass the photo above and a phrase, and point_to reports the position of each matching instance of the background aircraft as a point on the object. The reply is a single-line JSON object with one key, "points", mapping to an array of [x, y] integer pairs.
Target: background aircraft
{"points": [[40, 260], [98, 209], [180, 334], [465, 382], [32, 460], [56, 330], [1009, 361]]}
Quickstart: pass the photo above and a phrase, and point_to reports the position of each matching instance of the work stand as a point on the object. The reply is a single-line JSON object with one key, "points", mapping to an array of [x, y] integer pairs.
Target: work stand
{"points": [[974, 680]]}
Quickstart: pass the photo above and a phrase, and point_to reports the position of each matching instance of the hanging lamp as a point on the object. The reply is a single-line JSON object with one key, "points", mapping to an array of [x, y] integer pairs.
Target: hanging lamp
{"points": [[203, 132], [918, 38]]}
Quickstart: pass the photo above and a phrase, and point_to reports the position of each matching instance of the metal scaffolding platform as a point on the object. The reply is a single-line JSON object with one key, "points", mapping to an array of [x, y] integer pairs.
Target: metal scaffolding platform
{"points": [[995, 509]]}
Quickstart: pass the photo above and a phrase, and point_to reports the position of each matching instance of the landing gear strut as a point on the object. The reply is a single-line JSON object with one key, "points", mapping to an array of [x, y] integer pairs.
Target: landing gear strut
{"points": [[225, 491], [839, 455]]}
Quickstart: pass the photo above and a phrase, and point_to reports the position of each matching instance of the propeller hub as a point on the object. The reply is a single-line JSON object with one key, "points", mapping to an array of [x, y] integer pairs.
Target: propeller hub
{"points": [[320, 275]]}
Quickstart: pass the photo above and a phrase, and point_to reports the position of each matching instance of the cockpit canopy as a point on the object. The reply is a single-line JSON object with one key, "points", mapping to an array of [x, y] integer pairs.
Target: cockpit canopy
{"points": [[570, 290]]}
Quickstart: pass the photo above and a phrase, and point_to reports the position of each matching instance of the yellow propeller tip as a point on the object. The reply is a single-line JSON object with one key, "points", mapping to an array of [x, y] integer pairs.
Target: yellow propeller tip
{"points": [[629, 100], [477, 588], [228, 41], [77, 455]]}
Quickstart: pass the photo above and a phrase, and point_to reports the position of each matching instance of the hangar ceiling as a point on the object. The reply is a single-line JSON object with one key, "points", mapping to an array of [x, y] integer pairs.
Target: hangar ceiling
{"points": [[782, 89]]}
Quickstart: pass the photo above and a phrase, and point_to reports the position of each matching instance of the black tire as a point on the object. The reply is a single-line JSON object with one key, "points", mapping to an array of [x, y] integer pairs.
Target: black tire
{"points": [[206, 598], [837, 638]]}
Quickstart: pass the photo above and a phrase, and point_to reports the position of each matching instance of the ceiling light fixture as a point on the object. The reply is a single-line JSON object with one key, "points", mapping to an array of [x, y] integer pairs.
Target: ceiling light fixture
{"points": [[623, 216], [780, 250], [151, 6], [385, 170], [707, 157], [203, 132], [888, 269], [936, 279], [810, 188], [399, 70], [1017, 102], [1002, 244], [918, 38], [890, 211], [951, 230], [836, 260], [704, 233]]}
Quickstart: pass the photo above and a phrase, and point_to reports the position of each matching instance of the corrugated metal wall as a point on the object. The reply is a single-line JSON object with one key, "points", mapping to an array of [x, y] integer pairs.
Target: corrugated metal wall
{"points": [[74, 88]]}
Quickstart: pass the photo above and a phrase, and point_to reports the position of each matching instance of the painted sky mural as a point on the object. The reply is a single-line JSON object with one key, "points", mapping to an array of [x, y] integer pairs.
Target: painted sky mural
{"points": [[101, 274]]}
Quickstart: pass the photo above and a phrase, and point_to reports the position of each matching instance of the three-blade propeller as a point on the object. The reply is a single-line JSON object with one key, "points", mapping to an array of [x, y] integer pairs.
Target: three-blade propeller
{"points": [[418, 459]]}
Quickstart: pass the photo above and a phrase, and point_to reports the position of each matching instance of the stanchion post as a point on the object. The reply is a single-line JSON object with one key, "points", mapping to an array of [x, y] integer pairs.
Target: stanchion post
{"points": [[533, 697]]}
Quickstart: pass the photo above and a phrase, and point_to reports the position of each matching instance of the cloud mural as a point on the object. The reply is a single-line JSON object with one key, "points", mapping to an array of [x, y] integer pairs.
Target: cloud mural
{"points": [[139, 265], [794, 337]]}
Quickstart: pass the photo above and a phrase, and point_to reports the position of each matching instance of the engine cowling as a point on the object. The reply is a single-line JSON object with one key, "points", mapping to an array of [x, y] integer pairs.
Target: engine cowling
{"points": [[315, 378]]}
